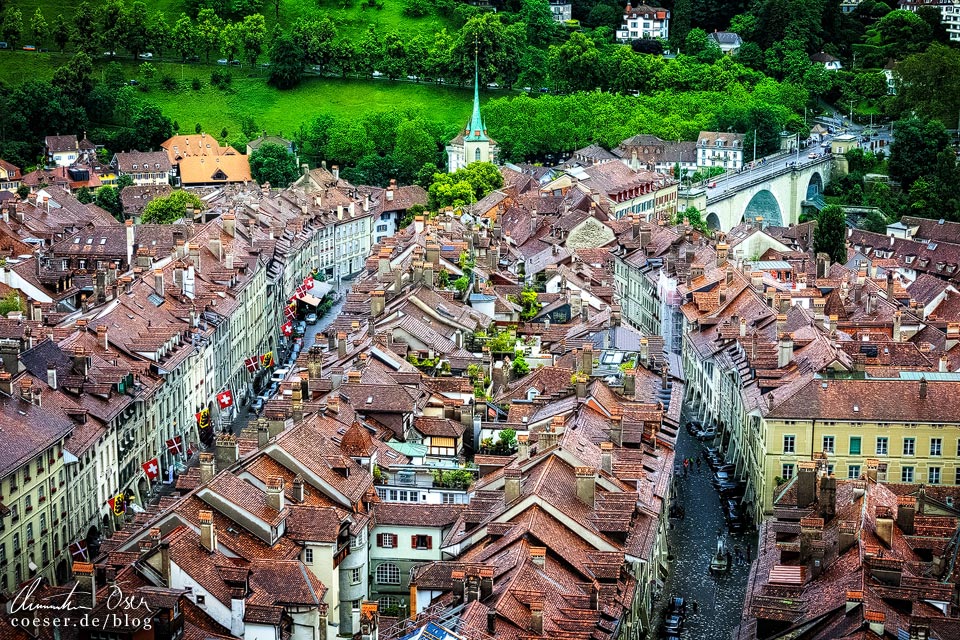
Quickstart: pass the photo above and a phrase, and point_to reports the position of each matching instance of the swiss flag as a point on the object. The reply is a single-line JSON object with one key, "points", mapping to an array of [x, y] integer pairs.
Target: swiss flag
{"points": [[152, 469], [79, 550], [225, 398], [175, 445], [308, 282], [287, 329], [252, 364]]}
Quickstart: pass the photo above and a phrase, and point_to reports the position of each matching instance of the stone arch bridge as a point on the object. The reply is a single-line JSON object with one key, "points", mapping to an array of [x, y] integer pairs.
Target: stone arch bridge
{"points": [[775, 192]]}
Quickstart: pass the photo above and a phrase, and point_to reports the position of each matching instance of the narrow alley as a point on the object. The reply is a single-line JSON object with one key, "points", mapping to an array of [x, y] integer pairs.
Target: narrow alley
{"points": [[693, 542]]}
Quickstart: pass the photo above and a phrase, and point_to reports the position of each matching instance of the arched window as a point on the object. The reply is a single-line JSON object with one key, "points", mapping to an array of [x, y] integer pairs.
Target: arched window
{"points": [[476, 155], [388, 573]]}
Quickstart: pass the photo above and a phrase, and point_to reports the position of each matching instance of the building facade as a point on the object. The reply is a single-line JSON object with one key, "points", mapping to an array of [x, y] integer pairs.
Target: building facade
{"points": [[644, 21]]}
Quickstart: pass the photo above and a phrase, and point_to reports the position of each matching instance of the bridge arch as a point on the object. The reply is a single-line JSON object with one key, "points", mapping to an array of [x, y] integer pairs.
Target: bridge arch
{"points": [[814, 186], [765, 205], [713, 221]]}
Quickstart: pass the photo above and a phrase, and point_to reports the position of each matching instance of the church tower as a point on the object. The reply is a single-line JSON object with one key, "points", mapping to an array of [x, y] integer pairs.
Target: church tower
{"points": [[473, 145]]}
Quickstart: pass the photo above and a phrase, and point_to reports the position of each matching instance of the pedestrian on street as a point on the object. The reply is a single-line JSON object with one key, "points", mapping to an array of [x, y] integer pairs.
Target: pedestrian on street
{"points": [[696, 607], [749, 554], [698, 464]]}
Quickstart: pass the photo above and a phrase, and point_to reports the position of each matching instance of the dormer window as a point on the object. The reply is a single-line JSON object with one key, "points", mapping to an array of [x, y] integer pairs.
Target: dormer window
{"points": [[719, 143], [134, 167], [910, 259]]}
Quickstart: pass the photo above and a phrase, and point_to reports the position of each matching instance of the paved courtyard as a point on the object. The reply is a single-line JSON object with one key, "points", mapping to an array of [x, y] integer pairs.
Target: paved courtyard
{"points": [[693, 541]]}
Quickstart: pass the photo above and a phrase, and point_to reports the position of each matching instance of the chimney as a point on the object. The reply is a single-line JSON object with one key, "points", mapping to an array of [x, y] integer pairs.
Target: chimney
{"points": [[919, 632], [890, 286], [781, 324], [492, 622], [81, 364], [216, 248], [644, 236], [847, 536], [875, 620], [263, 434], [511, 484], [587, 359], [743, 326], [828, 497], [275, 496], [722, 249], [635, 222], [86, 584], [298, 493], [869, 306], [872, 468], [784, 351], [102, 336], [944, 364], [208, 467], [342, 344], [606, 456], [806, 483], [644, 350], [923, 388], [536, 618], [336, 172], [229, 224], [428, 274], [208, 533], [226, 451], [523, 447], [433, 253], [630, 383], [906, 510], [486, 582], [456, 577], [884, 526], [130, 238], [811, 537], [897, 319], [756, 281], [823, 264], [586, 485], [158, 281], [473, 588]]}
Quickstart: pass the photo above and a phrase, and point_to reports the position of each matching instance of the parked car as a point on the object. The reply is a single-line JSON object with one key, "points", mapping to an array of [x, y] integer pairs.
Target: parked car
{"points": [[731, 489], [693, 426], [707, 434], [29, 47], [673, 623], [811, 155], [3, 45], [413, 78], [109, 54], [257, 405], [493, 85], [300, 328], [146, 55], [722, 477], [376, 74], [726, 467], [711, 185], [715, 460], [279, 375], [223, 61], [235, 63], [311, 318]]}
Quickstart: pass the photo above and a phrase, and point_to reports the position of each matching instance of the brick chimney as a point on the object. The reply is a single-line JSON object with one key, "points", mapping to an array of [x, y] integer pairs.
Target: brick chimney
{"points": [[208, 467], [811, 532], [906, 510], [722, 249], [587, 359], [806, 483], [226, 450], [606, 456], [523, 447], [86, 584], [342, 344], [208, 532], [158, 282], [275, 496], [102, 336], [298, 492], [377, 302], [486, 582], [884, 526], [828, 497], [923, 388], [784, 351], [847, 536], [511, 484], [586, 485]]}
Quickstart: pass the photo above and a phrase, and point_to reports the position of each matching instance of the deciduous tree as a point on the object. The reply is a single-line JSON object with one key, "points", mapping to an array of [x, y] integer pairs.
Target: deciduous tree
{"points": [[272, 163], [830, 236], [286, 62], [170, 208]]}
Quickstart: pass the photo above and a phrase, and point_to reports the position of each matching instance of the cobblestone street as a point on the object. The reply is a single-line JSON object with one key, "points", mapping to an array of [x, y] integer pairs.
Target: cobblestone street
{"points": [[693, 541]]}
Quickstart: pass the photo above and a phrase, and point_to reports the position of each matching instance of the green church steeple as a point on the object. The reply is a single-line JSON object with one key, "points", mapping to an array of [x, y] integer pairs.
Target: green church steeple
{"points": [[476, 132]]}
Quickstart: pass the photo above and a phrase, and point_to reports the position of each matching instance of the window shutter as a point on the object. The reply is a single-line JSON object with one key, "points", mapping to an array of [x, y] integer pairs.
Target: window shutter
{"points": [[413, 542], [379, 539], [429, 542], [395, 539]]}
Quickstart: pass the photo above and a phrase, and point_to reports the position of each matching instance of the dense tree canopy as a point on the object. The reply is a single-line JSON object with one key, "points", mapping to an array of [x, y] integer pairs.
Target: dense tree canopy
{"points": [[830, 236], [272, 163], [171, 208]]}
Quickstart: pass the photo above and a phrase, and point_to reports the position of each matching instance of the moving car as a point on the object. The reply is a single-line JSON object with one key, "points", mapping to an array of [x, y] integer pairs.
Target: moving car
{"points": [[311, 318]]}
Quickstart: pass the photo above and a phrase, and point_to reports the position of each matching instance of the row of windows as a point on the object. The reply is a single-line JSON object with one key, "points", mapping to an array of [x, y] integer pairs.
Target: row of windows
{"points": [[882, 447], [854, 471], [392, 541]]}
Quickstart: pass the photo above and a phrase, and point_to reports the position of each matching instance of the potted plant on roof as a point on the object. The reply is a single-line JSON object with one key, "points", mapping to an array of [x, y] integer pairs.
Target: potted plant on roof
{"points": [[579, 381]]}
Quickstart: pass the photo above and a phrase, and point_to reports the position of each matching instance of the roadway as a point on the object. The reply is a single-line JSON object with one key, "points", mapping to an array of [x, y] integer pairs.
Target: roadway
{"points": [[766, 168]]}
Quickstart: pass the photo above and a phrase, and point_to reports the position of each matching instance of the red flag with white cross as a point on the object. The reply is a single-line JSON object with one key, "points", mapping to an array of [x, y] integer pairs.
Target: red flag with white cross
{"points": [[287, 329], [252, 363], [225, 398], [175, 445], [152, 469]]}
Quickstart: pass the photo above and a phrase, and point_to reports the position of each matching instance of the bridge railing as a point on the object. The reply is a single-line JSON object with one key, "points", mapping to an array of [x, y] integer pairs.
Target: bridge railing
{"points": [[767, 177]]}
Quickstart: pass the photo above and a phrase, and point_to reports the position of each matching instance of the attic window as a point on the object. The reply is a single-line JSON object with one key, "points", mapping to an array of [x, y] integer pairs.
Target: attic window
{"points": [[134, 167], [931, 245], [155, 299], [201, 598], [369, 399], [76, 241], [103, 241], [856, 408]]}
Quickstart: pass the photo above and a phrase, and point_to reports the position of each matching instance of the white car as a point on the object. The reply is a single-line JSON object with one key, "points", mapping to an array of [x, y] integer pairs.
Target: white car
{"points": [[145, 56], [493, 85], [412, 78], [376, 74], [223, 61], [109, 54]]}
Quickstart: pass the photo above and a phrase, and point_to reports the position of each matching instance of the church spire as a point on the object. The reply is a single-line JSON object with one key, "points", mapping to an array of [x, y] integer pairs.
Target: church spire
{"points": [[476, 130]]}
